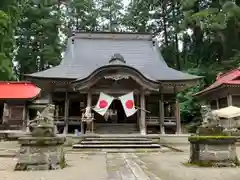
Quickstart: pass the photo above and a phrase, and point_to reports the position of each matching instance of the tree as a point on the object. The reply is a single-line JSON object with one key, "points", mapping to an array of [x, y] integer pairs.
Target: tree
{"points": [[9, 16], [197, 36], [137, 16], [38, 42], [83, 15], [110, 15]]}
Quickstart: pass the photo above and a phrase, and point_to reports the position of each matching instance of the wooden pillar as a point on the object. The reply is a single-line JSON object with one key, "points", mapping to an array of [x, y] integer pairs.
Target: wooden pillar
{"points": [[143, 113], [217, 104], [178, 118], [161, 114], [82, 129], [89, 99], [229, 99], [138, 112], [25, 117], [66, 112], [6, 114], [89, 104]]}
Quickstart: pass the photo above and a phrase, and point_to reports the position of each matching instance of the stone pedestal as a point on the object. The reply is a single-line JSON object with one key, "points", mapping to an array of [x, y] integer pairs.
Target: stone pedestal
{"points": [[213, 151], [41, 153]]}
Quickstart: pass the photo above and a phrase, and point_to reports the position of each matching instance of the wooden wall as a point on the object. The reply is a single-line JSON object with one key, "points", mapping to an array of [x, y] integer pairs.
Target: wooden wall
{"points": [[15, 115]]}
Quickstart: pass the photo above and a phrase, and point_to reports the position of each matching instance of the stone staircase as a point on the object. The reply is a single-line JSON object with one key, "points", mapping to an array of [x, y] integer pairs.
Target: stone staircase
{"points": [[116, 141], [116, 128]]}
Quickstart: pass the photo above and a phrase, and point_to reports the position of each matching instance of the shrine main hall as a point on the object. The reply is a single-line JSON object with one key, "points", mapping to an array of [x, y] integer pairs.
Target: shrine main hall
{"points": [[115, 64]]}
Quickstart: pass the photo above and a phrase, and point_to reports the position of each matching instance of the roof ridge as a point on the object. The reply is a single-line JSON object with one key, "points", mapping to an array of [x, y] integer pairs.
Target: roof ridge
{"points": [[16, 82], [109, 32], [113, 36], [226, 73]]}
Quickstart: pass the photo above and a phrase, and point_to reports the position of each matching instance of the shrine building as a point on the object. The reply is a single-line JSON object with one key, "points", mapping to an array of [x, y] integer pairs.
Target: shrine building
{"points": [[115, 64], [16, 98], [223, 92]]}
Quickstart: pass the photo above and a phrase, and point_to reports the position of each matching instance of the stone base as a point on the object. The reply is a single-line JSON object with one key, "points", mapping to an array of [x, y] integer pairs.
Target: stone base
{"points": [[210, 151], [40, 154], [43, 131]]}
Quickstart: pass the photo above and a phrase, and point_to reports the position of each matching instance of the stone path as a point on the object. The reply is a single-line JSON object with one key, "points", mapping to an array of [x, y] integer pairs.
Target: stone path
{"points": [[164, 165], [127, 166]]}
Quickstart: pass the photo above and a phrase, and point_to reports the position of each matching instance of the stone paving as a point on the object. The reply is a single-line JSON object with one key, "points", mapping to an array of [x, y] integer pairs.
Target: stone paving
{"points": [[164, 165]]}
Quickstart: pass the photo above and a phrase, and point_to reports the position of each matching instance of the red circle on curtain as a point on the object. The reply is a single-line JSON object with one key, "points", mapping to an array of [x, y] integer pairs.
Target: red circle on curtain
{"points": [[129, 104], [103, 104]]}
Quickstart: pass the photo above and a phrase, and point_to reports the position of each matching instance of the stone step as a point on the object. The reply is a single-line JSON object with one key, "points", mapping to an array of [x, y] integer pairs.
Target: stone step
{"points": [[116, 125], [116, 150], [75, 146], [116, 131], [116, 139], [116, 142], [113, 128]]}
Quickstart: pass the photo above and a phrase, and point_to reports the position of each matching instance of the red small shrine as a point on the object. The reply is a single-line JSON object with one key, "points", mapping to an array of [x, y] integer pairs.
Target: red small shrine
{"points": [[225, 91], [15, 96]]}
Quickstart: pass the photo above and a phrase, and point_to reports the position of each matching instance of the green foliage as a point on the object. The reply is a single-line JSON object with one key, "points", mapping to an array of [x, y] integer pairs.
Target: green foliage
{"points": [[38, 41], [83, 15], [189, 106], [137, 16], [212, 47], [110, 15], [197, 36], [9, 15]]}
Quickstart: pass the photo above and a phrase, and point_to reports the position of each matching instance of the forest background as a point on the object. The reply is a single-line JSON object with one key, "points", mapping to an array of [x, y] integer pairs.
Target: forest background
{"points": [[201, 37]]}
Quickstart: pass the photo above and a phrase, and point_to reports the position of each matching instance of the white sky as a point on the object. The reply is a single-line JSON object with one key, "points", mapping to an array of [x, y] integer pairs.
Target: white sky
{"points": [[125, 2]]}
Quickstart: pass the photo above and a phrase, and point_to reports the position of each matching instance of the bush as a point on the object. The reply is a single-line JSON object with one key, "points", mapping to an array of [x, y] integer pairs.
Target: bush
{"points": [[193, 126]]}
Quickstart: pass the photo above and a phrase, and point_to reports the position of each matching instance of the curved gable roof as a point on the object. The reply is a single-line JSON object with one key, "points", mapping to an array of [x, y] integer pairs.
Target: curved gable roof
{"points": [[229, 78], [87, 52]]}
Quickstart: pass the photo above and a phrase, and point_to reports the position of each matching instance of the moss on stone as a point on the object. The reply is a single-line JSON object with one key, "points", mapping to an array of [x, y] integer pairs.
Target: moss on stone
{"points": [[210, 137], [205, 139], [20, 167], [213, 163], [63, 163], [41, 142]]}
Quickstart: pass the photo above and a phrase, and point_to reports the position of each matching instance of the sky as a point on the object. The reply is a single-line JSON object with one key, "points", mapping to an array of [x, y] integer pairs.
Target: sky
{"points": [[125, 2]]}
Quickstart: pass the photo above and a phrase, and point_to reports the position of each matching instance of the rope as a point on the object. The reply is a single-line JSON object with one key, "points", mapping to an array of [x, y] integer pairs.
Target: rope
{"points": [[142, 109]]}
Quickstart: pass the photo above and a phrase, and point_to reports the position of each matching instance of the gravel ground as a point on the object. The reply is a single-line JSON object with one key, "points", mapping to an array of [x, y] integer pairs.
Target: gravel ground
{"points": [[169, 166], [165, 165], [80, 167]]}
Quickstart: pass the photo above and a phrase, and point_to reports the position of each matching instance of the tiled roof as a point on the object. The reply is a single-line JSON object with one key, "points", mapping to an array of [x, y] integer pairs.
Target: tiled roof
{"points": [[18, 90], [87, 52], [229, 78]]}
